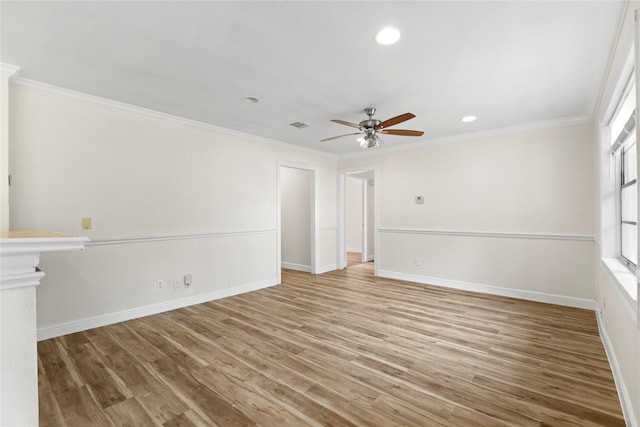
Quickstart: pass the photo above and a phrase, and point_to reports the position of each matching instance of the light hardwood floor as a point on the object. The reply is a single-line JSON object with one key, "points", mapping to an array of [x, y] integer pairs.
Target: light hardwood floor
{"points": [[354, 258], [339, 349]]}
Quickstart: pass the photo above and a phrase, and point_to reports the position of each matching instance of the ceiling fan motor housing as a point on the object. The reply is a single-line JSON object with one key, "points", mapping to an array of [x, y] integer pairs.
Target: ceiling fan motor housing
{"points": [[369, 124]]}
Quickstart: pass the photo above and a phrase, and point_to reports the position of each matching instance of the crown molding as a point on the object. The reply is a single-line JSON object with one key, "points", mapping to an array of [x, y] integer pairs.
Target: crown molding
{"points": [[122, 106], [468, 136], [135, 109], [12, 70]]}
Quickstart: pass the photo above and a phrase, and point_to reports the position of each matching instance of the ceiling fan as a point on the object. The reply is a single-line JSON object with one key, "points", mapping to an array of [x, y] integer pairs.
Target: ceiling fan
{"points": [[371, 127]]}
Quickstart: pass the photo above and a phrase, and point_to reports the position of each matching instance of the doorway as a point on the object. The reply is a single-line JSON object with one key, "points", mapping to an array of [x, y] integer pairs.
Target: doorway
{"points": [[357, 213], [297, 218]]}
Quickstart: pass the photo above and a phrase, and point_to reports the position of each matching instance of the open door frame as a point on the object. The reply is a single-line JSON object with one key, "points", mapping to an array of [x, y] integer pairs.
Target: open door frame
{"points": [[367, 224], [315, 223], [341, 250]]}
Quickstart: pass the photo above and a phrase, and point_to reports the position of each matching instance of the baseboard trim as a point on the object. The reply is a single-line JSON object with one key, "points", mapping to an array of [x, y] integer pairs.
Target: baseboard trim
{"points": [[625, 400], [121, 316], [297, 267], [327, 268], [493, 290]]}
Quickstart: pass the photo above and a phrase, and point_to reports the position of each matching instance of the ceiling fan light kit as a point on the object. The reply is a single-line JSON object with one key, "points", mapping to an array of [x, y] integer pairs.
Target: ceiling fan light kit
{"points": [[369, 141], [372, 127]]}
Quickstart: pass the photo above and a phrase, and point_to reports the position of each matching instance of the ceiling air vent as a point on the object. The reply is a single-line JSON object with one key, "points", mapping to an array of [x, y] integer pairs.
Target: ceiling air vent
{"points": [[299, 125]]}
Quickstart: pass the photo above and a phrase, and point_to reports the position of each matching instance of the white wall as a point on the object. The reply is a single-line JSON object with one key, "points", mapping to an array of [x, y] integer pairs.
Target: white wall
{"points": [[296, 192], [618, 315], [353, 203], [510, 214], [167, 197]]}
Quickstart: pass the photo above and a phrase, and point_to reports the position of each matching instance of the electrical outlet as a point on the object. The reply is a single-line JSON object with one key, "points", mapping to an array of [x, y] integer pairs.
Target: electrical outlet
{"points": [[177, 283], [417, 262], [161, 285], [187, 280]]}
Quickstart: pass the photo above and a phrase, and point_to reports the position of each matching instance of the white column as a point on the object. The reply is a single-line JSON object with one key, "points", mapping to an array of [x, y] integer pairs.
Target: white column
{"points": [[19, 257]]}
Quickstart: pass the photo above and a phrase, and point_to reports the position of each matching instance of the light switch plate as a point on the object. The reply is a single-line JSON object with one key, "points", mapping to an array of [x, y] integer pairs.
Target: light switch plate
{"points": [[86, 223]]}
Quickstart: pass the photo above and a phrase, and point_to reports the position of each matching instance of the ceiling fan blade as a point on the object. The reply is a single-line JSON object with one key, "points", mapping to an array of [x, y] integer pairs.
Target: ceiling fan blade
{"points": [[342, 122], [402, 132], [395, 120], [339, 136]]}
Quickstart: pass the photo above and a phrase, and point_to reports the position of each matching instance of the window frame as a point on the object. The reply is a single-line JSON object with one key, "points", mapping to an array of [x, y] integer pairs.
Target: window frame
{"points": [[619, 145], [629, 142]]}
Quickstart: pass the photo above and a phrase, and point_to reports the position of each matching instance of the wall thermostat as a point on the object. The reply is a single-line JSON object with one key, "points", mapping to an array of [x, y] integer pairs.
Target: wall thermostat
{"points": [[419, 200]]}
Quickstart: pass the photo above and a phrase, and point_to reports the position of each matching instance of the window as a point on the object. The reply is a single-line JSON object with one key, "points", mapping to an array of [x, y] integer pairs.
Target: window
{"points": [[628, 220], [623, 148]]}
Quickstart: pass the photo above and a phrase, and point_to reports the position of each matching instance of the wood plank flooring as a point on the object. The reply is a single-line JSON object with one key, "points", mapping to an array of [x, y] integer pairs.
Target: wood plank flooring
{"points": [[354, 258], [338, 349]]}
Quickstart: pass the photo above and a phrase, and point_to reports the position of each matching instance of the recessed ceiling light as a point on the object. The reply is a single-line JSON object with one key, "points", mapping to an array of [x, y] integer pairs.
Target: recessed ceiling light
{"points": [[387, 36], [250, 99], [468, 119]]}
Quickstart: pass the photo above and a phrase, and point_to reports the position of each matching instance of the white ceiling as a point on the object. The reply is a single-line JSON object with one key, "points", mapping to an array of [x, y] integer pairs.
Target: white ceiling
{"points": [[509, 63]]}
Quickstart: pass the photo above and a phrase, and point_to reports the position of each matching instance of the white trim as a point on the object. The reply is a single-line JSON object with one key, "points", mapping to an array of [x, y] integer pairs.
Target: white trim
{"points": [[21, 256], [7, 74], [341, 238], [623, 393], [616, 45], [546, 124], [356, 250], [21, 280], [32, 84], [366, 225], [493, 290], [13, 70], [524, 127], [160, 238], [297, 267], [327, 268], [134, 313], [624, 281], [468, 233], [23, 246]]}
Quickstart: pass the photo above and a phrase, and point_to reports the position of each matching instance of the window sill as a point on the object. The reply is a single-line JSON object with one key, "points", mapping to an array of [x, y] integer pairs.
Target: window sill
{"points": [[626, 280]]}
